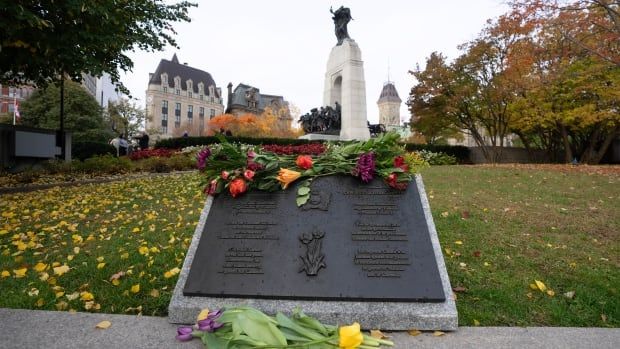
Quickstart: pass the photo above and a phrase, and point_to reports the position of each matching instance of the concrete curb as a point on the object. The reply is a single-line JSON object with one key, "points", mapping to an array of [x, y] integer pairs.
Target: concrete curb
{"points": [[51, 329]]}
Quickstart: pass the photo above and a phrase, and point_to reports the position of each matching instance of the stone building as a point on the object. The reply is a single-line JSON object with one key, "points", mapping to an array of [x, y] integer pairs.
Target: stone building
{"points": [[181, 98], [248, 99], [389, 106]]}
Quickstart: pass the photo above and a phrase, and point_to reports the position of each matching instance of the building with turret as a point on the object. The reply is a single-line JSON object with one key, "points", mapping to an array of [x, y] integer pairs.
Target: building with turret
{"points": [[389, 106], [181, 99]]}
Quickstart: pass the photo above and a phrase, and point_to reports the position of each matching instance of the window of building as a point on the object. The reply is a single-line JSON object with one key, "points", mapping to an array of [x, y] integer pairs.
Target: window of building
{"points": [[11, 92], [164, 107], [165, 90], [11, 107], [201, 113], [190, 111], [177, 109], [212, 99], [164, 129], [212, 114], [202, 97], [189, 94], [178, 91]]}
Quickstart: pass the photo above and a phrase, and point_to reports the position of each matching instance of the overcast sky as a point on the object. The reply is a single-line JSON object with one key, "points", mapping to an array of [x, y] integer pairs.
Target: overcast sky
{"points": [[282, 46]]}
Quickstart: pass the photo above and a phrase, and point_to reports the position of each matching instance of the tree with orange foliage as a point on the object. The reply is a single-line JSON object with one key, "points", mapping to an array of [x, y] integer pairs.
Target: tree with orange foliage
{"points": [[270, 123]]}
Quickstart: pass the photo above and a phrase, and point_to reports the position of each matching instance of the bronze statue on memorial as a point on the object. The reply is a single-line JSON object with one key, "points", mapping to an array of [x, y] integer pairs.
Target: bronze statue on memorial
{"points": [[341, 18], [324, 120]]}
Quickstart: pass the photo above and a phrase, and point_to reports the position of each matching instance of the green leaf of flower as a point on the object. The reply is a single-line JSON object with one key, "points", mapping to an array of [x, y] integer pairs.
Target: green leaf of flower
{"points": [[303, 191], [302, 199], [261, 331]]}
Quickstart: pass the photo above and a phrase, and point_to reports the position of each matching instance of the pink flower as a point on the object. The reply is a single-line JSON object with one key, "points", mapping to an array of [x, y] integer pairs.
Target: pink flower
{"points": [[212, 187], [224, 175], [248, 174]]}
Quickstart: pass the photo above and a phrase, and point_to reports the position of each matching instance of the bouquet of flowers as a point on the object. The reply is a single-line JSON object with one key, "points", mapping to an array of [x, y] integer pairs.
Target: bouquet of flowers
{"points": [[246, 327], [238, 168]]}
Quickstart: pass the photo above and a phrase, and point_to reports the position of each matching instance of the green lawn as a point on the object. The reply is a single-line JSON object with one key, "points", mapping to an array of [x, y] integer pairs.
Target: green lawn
{"points": [[501, 229]]}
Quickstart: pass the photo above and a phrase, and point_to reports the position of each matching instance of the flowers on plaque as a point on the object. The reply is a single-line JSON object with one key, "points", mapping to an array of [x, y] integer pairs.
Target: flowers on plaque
{"points": [[246, 327], [241, 167]]}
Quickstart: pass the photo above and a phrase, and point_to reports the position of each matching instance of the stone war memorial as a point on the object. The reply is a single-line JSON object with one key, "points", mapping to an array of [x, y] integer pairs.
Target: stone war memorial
{"points": [[340, 248], [345, 87]]}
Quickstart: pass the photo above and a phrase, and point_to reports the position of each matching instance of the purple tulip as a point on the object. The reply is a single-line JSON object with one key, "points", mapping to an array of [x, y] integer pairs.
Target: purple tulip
{"points": [[184, 333], [209, 325], [365, 167], [202, 158]]}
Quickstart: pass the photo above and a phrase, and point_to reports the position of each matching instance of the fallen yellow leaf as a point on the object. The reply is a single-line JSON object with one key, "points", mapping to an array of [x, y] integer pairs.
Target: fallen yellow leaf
{"points": [[61, 270], [100, 265], [377, 334], [135, 288], [20, 273], [103, 324], [438, 333], [476, 322], [143, 250], [458, 242], [39, 267], [551, 293], [154, 293], [86, 296], [73, 296], [413, 332], [540, 285], [5, 274]]}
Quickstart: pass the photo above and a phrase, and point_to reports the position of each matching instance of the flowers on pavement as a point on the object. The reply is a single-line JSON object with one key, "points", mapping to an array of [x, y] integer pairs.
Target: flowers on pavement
{"points": [[254, 329]]}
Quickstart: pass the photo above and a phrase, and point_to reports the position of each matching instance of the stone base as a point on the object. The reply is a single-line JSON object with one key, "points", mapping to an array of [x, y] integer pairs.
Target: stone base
{"points": [[371, 315], [320, 136]]}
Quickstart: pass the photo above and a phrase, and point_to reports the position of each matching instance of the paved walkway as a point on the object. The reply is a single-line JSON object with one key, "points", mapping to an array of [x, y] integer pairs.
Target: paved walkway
{"points": [[50, 329]]}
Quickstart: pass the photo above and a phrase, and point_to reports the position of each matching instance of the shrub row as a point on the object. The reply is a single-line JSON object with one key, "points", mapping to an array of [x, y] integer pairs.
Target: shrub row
{"points": [[85, 150], [461, 153], [182, 142]]}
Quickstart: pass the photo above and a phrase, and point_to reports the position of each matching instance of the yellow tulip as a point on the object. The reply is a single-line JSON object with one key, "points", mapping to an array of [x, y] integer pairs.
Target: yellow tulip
{"points": [[286, 177], [350, 336]]}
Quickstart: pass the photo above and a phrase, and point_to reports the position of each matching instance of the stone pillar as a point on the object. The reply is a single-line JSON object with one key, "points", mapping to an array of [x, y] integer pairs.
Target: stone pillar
{"points": [[345, 84]]}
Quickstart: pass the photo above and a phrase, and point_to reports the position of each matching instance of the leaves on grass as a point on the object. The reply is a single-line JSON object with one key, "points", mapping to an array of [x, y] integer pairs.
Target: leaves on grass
{"points": [[438, 333], [135, 288], [459, 289]]}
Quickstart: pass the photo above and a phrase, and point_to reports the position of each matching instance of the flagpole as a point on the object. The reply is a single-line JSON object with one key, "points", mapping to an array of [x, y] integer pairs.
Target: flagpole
{"points": [[14, 103]]}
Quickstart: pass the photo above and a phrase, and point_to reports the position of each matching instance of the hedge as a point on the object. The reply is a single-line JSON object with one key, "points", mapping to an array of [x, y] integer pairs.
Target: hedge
{"points": [[461, 153], [85, 150], [182, 142]]}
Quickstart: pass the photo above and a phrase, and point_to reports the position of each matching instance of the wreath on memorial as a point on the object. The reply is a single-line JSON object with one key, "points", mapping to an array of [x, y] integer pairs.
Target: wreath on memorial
{"points": [[246, 327], [237, 168]]}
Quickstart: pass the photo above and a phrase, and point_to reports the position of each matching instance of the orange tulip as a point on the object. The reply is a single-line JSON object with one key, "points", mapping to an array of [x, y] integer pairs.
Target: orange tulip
{"points": [[286, 177], [237, 186]]}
